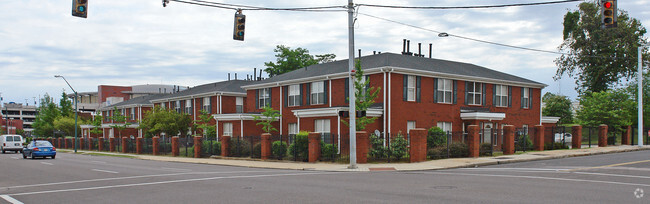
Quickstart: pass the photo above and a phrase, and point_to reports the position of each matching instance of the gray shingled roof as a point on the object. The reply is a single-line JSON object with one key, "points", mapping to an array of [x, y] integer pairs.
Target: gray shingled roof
{"points": [[142, 100], [401, 61], [232, 86]]}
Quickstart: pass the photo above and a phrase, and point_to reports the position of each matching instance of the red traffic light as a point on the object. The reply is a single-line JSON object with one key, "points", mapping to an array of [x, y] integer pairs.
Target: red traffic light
{"points": [[608, 4]]}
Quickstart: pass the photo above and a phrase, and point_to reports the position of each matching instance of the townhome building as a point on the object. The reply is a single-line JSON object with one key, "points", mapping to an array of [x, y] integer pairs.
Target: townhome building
{"points": [[416, 92], [132, 109]]}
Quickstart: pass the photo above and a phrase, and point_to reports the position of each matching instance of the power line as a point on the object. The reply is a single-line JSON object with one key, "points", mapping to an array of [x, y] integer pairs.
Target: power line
{"points": [[468, 7], [256, 8]]}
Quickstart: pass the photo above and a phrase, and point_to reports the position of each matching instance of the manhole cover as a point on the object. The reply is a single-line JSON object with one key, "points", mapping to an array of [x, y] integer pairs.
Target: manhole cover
{"points": [[444, 187]]}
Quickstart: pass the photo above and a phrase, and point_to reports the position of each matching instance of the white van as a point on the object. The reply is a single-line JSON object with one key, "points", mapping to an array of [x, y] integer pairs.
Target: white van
{"points": [[11, 143]]}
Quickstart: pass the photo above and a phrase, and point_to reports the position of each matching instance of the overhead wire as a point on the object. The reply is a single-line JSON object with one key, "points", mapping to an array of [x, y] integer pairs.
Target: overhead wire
{"points": [[256, 8], [469, 7]]}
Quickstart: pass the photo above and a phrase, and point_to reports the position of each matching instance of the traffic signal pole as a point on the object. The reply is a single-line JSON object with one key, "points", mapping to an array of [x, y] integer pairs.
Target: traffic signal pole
{"points": [[353, 132]]}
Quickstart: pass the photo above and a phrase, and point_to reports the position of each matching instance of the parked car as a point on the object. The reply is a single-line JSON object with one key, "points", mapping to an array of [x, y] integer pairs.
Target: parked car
{"points": [[39, 148], [563, 138], [11, 143]]}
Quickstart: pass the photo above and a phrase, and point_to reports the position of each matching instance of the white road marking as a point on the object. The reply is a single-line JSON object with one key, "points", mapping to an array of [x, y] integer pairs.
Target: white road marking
{"points": [[101, 162], [175, 169], [14, 157], [167, 182], [540, 177], [47, 163], [105, 171], [131, 177], [10, 199], [616, 175], [515, 169]]}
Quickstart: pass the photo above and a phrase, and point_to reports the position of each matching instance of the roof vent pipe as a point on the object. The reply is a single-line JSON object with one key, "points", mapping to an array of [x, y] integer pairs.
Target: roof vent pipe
{"points": [[260, 77], [359, 53], [404, 47], [408, 47], [254, 73], [374, 52], [235, 76], [228, 76], [430, 48], [420, 50]]}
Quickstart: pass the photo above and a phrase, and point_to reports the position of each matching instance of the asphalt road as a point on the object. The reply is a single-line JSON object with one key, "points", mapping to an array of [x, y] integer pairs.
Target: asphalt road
{"points": [[611, 178]]}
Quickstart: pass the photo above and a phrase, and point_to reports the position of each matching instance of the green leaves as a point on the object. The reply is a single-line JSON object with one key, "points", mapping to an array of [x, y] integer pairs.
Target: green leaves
{"points": [[161, 120], [613, 108], [291, 59], [558, 106], [119, 121], [364, 97], [270, 116]]}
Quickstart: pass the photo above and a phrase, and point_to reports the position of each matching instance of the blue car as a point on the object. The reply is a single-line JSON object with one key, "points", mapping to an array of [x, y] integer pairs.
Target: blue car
{"points": [[40, 148]]}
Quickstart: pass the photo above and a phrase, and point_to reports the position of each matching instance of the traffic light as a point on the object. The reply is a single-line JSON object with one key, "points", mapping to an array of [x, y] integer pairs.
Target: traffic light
{"points": [[80, 8], [608, 8], [240, 21], [344, 114]]}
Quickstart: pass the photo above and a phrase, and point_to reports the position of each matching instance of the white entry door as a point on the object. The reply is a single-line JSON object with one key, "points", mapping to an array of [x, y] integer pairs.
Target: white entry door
{"points": [[487, 133]]}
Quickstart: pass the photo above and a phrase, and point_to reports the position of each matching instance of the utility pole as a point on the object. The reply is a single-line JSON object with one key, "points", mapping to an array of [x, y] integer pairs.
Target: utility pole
{"points": [[353, 125]]}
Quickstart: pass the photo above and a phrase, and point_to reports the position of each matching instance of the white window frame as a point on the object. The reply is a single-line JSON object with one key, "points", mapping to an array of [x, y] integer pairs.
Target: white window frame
{"points": [[177, 106], [132, 114], [206, 104], [263, 97], [525, 127], [188, 106], [322, 126], [294, 95], [501, 95], [410, 125], [475, 92], [239, 104], [526, 96], [162, 105], [445, 90], [445, 126], [227, 129], [317, 93], [293, 128], [410, 88]]}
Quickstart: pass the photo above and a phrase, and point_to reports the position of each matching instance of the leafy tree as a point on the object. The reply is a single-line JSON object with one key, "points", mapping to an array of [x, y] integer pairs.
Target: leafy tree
{"points": [[598, 58], [119, 121], [203, 123], [613, 108], [161, 120], [96, 122], [558, 106], [364, 98], [632, 91], [291, 59], [270, 116], [65, 105], [65, 124], [47, 113]]}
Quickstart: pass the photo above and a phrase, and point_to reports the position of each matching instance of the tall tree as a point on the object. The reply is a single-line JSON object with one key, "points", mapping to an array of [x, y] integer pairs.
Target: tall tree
{"points": [[65, 105], [612, 107], [291, 59], [47, 113], [598, 58], [65, 124], [364, 97], [161, 120], [632, 91], [96, 122], [270, 115], [203, 123], [558, 106]]}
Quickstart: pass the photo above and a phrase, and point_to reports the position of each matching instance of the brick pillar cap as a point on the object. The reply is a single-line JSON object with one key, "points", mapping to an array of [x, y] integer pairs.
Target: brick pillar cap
{"points": [[266, 133], [603, 125], [156, 137], [577, 126], [418, 129]]}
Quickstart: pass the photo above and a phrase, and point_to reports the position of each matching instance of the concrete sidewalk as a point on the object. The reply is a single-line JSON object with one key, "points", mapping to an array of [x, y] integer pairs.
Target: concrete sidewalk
{"points": [[428, 165]]}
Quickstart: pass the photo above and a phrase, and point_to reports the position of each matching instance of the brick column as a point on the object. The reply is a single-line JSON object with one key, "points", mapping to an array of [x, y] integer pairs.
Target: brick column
{"points": [[418, 144], [363, 146], [266, 146], [60, 143], [90, 143], [175, 152], [100, 144], [138, 145], [225, 146], [602, 135], [125, 145], [576, 137], [508, 140], [66, 144], [538, 138], [81, 143], [314, 146], [626, 136], [473, 140], [155, 144], [198, 141], [111, 144]]}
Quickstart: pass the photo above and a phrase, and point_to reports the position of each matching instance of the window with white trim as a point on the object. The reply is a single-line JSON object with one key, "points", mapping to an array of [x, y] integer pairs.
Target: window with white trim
{"points": [[322, 126], [474, 93], [177, 107], [410, 125], [294, 95], [162, 105], [525, 128], [263, 97], [501, 99], [206, 104], [293, 128], [445, 126], [410, 88], [227, 129], [239, 104], [188, 106], [525, 101], [445, 90], [317, 93], [132, 114]]}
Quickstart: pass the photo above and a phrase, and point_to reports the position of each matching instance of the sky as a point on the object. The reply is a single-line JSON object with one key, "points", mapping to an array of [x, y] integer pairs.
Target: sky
{"points": [[141, 42]]}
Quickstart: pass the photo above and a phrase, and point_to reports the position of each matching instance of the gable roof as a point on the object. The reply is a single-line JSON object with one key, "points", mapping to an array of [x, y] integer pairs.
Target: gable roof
{"points": [[232, 87], [138, 101], [401, 64]]}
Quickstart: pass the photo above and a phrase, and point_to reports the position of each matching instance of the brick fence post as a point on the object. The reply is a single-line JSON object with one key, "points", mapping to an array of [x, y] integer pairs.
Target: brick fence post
{"points": [[626, 136], [60, 143], [81, 143], [90, 143], [100, 144], [508, 140], [473, 140], [125, 146], [314, 146], [138, 145], [66, 144], [363, 144], [198, 141], [418, 144], [225, 146], [266, 146], [576, 137], [538, 138], [175, 152], [111, 144], [602, 135], [154, 143]]}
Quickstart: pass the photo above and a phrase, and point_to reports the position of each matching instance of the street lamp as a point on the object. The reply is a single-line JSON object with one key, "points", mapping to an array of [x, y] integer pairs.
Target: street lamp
{"points": [[76, 143], [640, 93]]}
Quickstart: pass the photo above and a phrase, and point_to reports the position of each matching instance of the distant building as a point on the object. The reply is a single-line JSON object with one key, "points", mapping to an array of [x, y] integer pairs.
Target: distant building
{"points": [[18, 112], [107, 95]]}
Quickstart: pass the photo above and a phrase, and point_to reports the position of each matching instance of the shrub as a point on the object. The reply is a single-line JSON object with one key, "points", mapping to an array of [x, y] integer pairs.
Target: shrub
{"points": [[436, 137], [555, 145], [257, 150], [279, 149], [399, 147], [485, 149], [206, 151], [437, 152], [458, 150], [524, 141], [328, 151], [299, 149], [377, 150], [239, 147]]}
